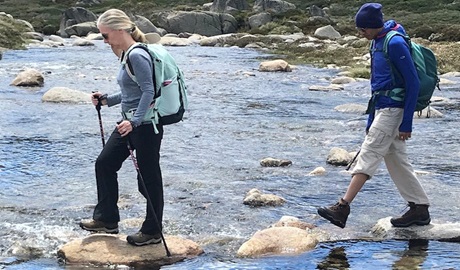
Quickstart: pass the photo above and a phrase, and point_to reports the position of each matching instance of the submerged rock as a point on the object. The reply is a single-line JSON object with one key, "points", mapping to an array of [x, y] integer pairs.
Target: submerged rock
{"points": [[256, 198], [106, 249], [275, 162]]}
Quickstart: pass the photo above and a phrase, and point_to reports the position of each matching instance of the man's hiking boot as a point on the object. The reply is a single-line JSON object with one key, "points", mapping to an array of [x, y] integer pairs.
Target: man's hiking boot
{"points": [[99, 226], [416, 215], [141, 239], [337, 214]]}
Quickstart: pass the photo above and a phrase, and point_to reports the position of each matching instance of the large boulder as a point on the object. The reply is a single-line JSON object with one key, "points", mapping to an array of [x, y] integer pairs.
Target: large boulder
{"points": [[81, 29], [273, 6], [113, 250], [146, 26], [229, 5], [203, 23], [257, 20], [72, 16], [327, 32]]}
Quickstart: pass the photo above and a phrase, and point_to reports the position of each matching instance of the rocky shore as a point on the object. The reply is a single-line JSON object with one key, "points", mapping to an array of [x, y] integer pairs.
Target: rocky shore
{"points": [[328, 44]]}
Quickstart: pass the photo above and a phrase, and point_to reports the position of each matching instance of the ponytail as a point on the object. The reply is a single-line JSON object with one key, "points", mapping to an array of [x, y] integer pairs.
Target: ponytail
{"points": [[138, 35]]}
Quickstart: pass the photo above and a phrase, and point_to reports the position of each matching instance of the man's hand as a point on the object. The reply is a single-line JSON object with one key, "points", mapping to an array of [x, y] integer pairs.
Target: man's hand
{"points": [[404, 135]]}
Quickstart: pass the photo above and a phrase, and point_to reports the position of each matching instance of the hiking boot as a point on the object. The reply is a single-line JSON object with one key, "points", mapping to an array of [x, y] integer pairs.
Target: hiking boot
{"points": [[337, 214], [140, 239], [99, 226], [416, 215]]}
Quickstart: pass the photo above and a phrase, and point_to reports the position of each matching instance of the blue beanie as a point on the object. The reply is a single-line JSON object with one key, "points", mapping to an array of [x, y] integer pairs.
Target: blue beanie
{"points": [[369, 16]]}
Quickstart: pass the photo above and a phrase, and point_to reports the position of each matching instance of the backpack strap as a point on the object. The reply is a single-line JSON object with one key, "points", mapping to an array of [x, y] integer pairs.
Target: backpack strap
{"points": [[397, 93], [151, 112], [386, 41], [129, 68]]}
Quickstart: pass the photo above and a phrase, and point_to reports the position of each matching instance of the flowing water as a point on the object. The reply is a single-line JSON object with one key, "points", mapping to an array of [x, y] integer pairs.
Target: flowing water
{"points": [[211, 160]]}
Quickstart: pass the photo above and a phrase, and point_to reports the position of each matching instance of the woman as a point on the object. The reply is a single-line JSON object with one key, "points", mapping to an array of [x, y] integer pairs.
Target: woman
{"points": [[121, 34]]}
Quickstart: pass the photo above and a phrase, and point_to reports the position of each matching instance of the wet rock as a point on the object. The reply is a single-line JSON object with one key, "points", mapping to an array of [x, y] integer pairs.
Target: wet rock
{"points": [[289, 221], [82, 42], [278, 240], [64, 94], [343, 80], [275, 65], [274, 162], [105, 249], [318, 171], [215, 40], [331, 87], [57, 39], [339, 157], [256, 198], [351, 108], [29, 77], [175, 41], [434, 231]]}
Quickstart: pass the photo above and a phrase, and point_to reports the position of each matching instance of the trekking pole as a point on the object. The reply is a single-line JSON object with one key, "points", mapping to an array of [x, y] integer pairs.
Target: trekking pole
{"points": [[149, 201], [98, 109], [353, 160]]}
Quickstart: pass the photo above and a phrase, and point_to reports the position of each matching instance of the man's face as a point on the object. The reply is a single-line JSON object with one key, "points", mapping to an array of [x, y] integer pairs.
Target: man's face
{"points": [[368, 33]]}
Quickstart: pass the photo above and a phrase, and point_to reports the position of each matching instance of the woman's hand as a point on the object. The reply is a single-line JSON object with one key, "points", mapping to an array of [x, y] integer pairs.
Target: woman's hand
{"points": [[124, 128], [96, 97]]}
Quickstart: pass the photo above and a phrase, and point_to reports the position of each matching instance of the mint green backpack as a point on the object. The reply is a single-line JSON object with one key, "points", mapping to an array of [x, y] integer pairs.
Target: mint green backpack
{"points": [[427, 70], [170, 100]]}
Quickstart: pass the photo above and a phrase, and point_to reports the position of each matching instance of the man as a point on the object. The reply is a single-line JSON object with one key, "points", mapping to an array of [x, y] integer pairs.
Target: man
{"points": [[389, 123]]}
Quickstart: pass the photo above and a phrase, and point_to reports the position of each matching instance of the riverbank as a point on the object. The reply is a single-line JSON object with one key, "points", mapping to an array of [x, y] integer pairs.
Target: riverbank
{"points": [[432, 24]]}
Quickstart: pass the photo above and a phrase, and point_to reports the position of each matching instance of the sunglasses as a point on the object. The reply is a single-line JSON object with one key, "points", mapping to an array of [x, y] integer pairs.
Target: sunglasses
{"points": [[361, 29], [105, 35]]}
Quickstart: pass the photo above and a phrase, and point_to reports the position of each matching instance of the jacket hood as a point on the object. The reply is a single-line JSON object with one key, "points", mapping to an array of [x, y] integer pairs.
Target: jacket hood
{"points": [[393, 25]]}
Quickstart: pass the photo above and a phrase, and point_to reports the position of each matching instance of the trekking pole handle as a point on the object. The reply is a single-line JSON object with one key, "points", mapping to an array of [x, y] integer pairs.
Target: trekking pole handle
{"points": [[99, 101]]}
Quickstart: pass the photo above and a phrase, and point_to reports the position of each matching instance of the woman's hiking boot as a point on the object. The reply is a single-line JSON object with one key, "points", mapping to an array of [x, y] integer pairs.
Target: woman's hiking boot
{"points": [[416, 215], [99, 226], [337, 214], [141, 239]]}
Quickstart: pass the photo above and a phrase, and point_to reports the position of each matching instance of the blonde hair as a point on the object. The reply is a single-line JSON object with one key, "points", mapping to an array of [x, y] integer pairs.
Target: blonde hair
{"points": [[118, 20]]}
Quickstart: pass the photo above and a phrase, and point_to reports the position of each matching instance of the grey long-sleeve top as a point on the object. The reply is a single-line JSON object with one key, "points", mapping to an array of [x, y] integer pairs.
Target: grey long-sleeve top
{"points": [[135, 95]]}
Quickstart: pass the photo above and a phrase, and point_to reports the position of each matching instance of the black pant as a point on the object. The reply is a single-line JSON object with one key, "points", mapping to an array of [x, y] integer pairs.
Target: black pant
{"points": [[147, 145]]}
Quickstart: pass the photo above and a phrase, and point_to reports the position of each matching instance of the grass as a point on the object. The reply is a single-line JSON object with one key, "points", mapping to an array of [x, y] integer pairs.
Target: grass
{"points": [[10, 33]]}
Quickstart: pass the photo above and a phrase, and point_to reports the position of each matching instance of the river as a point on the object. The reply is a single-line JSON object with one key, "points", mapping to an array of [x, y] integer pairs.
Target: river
{"points": [[211, 160]]}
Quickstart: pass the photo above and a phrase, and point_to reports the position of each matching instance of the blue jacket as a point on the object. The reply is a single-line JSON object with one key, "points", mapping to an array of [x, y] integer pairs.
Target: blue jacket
{"points": [[381, 77]]}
